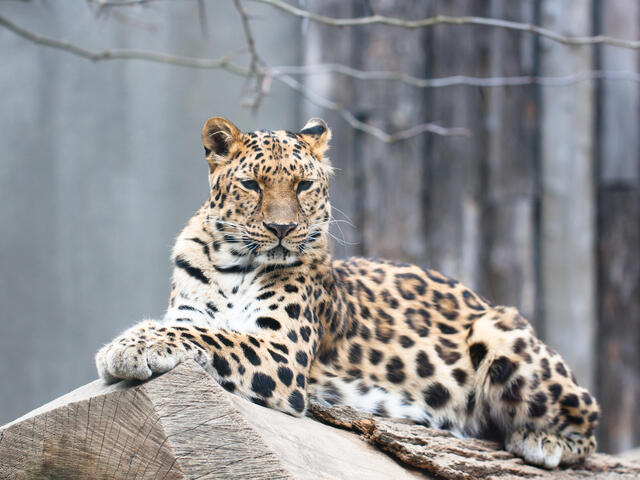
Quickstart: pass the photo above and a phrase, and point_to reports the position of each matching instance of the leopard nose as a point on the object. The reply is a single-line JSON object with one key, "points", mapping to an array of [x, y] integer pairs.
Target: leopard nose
{"points": [[280, 230]]}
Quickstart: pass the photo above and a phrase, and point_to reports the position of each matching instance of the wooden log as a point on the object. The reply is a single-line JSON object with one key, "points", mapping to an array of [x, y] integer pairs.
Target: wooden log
{"points": [[184, 425], [440, 453], [178, 425]]}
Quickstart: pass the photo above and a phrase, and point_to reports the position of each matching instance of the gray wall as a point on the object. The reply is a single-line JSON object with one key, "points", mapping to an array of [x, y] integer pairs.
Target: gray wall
{"points": [[101, 165]]}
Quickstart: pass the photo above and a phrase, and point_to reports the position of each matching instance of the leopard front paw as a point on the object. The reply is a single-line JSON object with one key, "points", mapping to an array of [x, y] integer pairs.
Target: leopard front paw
{"points": [[142, 351], [548, 450]]}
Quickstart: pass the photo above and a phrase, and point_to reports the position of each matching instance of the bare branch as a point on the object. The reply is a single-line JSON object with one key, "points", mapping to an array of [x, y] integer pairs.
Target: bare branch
{"points": [[255, 69], [365, 127], [118, 3], [443, 19], [123, 53], [225, 64], [456, 80]]}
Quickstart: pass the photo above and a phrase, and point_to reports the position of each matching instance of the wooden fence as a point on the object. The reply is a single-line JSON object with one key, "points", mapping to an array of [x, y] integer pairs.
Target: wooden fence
{"points": [[539, 207]]}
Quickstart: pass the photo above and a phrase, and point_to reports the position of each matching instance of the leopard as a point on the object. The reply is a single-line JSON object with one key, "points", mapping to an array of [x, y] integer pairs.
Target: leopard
{"points": [[259, 302]]}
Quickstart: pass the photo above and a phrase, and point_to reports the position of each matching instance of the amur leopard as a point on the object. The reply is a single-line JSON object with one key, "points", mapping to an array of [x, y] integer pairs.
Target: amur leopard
{"points": [[257, 300]]}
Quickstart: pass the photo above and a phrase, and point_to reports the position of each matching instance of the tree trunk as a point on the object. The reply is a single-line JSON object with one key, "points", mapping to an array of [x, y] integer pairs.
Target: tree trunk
{"points": [[619, 235]]}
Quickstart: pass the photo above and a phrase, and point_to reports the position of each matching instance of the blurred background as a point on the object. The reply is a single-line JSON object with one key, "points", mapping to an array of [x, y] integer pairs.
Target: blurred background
{"points": [[507, 159]]}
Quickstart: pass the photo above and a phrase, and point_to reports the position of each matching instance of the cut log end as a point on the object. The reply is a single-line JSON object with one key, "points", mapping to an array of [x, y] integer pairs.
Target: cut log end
{"points": [[184, 425]]}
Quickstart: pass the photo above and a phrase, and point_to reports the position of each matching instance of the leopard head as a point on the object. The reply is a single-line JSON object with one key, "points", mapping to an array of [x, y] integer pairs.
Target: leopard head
{"points": [[269, 192]]}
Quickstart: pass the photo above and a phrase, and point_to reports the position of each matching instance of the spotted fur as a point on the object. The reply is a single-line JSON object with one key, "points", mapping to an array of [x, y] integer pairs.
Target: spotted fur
{"points": [[257, 300]]}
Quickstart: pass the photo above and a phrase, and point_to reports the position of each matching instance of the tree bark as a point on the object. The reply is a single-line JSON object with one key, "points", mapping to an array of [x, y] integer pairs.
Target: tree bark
{"points": [[619, 235], [184, 425]]}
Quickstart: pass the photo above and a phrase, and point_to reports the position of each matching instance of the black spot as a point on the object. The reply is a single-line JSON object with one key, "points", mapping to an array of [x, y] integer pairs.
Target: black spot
{"points": [[355, 353], [189, 308], [302, 358], [471, 300], [300, 380], [266, 295], [221, 365], [519, 346], [228, 386], [575, 420], [290, 288], [224, 340], [436, 395], [546, 371], [513, 392], [253, 341], [192, 271], [268, 322], [561, 370], [250, 354], [395, 370], [446, 425], [263, 384], [285, 375], [293, 310], [277, 357], [424, 367], [570, 400], [477, 351], [447, 329], [537, 406], [296, 401], [375, 356], [471, 402], [406, 342], [501, 369], [331, 394], [210, 341], [293, 336], [305, 332], [448, 356], [380, 410], [586, 398], [259, 401], [280, 346], [555, 389], [460, 376], [365, 333]]}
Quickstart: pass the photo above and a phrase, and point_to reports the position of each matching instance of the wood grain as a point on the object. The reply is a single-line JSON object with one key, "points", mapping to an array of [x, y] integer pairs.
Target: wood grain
{"points": [[179, 425]]}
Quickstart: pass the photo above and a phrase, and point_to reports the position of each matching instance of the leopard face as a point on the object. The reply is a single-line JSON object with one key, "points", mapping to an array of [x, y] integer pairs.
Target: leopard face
{"points": [[269, 190]]}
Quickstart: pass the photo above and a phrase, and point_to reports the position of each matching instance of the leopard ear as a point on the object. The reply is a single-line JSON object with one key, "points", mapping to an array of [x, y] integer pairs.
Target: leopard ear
{"points": [[317, 134], [218, 136]]}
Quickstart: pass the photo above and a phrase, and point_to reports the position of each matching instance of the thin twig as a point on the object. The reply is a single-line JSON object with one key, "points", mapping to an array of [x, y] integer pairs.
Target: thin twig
{"points": [[225, 64], [456, 80], [123, 53], [365, 127], [255, 67], [118, 3], [444, 19]]}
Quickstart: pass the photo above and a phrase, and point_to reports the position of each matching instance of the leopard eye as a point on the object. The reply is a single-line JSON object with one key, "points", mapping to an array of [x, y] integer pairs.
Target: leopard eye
{"points": [[251, 185], [304, 185]]}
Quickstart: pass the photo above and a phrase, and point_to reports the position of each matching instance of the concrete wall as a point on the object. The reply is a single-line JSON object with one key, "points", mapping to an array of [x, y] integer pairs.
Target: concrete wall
{"points": [[100, 166]]}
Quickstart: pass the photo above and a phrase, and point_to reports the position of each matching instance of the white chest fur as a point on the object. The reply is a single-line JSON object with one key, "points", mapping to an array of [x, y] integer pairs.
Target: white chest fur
{"points": [[231, 302]]}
